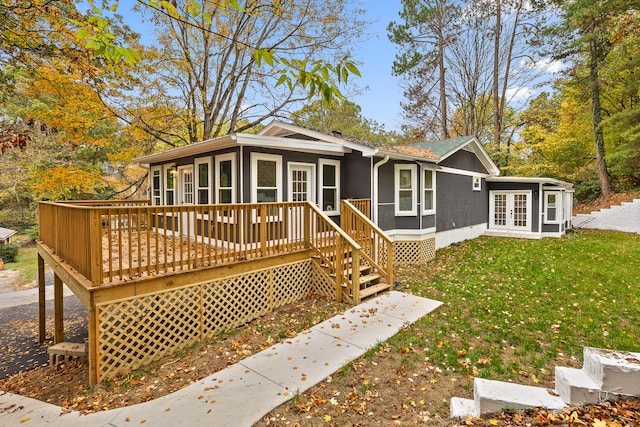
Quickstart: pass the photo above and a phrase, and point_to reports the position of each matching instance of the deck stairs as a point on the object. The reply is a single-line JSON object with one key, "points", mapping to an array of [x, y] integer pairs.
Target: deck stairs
{"points": [[605, 375]]}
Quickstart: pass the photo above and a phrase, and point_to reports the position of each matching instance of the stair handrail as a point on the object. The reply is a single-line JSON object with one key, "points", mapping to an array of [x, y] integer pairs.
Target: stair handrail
{"points": [[351, 279], [387, 271]]}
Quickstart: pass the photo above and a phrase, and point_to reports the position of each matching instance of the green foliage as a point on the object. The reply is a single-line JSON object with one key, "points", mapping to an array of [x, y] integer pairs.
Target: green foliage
{"points": [[9, 252]]}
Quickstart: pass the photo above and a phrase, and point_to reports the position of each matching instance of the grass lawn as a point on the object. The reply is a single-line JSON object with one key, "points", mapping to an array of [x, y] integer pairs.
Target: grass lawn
{"points": [[27, 264], [513, 310]]}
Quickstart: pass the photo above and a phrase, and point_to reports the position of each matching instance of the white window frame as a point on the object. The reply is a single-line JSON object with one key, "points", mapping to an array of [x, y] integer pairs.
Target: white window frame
{"points": [[223, 158], [414, 189], [336, 187], [558, 207], [255, 157], [160, 197], [476, 183], [196, 179], [433, 190], [166, 168]]}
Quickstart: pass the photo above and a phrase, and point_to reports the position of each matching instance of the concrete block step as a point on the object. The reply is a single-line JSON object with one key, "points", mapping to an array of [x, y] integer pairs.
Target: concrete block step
{"points": [[576, 387], [613, 371], [496, 396], [462, 408]]}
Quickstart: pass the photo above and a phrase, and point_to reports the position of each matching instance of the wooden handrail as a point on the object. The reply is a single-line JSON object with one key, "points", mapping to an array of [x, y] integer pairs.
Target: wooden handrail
{"points": [[357, 225]]}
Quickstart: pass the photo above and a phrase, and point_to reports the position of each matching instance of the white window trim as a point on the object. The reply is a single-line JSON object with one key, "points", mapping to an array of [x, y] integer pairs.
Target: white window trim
{"points": [[219, 159], [165, 168], [255, 157], [396, 187], [336, 163], [433, 189], [196, 179], [559, 207], [152, 188], [476, 183]]}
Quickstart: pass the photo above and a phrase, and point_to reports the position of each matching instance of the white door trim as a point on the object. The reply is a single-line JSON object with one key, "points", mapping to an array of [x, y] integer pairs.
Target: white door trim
{"points": [[510, 215]]}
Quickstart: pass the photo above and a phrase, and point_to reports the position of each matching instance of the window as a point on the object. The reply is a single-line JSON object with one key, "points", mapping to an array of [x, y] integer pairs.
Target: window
{"points": [[330, 186], [203, 181], [428, 191], [405, 190], [185, 187], [552, 207], [477, 183], [156, 185], [169, 184], [225, 178], [266, 178]]}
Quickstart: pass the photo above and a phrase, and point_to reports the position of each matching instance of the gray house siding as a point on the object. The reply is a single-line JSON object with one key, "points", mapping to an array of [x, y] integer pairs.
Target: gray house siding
{"points": [[355, 176], [457, 205], [465, 160]]}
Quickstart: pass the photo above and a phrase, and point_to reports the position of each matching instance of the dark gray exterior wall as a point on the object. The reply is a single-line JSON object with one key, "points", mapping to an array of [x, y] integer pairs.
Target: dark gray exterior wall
{"points": [[464, 160], [457, 205], [355, 176]]}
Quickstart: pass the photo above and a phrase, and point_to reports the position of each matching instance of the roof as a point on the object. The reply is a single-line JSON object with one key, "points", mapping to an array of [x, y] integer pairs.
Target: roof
{"points": [[5, 233], [445, 147]]}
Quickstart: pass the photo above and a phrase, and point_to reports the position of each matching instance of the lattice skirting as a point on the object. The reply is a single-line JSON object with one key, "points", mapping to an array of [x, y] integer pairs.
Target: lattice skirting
{"points": [[136, 331], [411, 252]]}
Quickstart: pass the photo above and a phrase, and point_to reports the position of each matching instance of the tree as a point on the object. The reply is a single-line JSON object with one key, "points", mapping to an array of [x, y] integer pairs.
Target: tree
{"points": [[344, 117]]}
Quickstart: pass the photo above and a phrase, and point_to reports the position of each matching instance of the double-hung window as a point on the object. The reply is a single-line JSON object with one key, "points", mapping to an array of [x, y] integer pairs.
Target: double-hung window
{"points": [[330, 186], [428, 191], [266, 178], [405, 182], [203, 180], [552, 207], [170, 173], [476, 183], [156, 185], [225, 178]]}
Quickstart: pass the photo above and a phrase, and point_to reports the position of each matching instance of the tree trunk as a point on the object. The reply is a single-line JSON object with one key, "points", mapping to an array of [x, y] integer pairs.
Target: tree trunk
{"points": [[443, 94], [497, 119], [598, 136]]}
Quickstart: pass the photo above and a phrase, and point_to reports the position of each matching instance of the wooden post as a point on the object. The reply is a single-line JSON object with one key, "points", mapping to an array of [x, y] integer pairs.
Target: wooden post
{"points": [[263, 230], [42, 307], [92, 351], [355, 276], [307, 226], [339, 260], [390, 263], [95, 246], [58, 325]]}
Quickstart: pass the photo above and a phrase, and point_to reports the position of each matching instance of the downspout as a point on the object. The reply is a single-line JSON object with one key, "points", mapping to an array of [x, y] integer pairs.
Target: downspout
{"points": [[374, 195]]}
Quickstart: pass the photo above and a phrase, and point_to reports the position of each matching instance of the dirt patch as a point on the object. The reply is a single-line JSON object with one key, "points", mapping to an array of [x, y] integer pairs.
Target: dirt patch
{"points": [[613, 200], [9, 281]]}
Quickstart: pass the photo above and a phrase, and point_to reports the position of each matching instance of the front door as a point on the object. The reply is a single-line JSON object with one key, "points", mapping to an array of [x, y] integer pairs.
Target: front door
{"points": [[186, 197], [510, 210], [301, 189]]}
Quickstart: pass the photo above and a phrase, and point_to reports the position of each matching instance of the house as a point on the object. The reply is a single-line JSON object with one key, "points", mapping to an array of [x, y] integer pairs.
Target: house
{"points": [[424, 196], [241, 224], [5, 235]]}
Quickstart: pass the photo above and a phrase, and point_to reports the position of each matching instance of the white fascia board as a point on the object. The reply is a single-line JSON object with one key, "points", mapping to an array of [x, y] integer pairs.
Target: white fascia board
{"points": [[275, 126], [401, 156], [291, 144], [219, 143], [482, 154], [531, 180]]}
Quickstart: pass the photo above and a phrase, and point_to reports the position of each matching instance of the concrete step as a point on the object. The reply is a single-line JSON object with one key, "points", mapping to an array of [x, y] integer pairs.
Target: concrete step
{"points": [[462, 408], [496, 396], [576, 387], [613, 371]]}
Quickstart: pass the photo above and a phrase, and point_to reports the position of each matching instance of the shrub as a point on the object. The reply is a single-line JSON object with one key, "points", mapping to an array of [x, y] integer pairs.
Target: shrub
{"points": [[9, 252]]}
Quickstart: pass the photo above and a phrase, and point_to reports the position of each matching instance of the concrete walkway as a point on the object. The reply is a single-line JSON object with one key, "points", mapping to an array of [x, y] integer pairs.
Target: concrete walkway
{"points": [[243, 393], [625, 217]]}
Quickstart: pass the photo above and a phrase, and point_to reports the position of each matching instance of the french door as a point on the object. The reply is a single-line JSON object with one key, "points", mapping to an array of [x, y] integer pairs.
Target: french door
{"points": [[510, 210]]}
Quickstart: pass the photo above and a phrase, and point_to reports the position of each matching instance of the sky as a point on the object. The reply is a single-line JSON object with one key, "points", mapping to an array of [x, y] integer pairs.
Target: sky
{"points": [[381, 94]]}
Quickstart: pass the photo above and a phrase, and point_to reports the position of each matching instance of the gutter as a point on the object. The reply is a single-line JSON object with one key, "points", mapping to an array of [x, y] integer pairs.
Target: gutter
{"points": [[374, 194]]}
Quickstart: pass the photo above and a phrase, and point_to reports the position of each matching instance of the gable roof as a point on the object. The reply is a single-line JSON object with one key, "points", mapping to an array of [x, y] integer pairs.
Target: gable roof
{"points": [[5, 233]]}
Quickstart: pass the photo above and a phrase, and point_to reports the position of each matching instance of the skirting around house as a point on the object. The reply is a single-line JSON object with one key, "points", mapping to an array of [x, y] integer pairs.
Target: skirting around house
{"points": [[411, 252], [139, 330]]}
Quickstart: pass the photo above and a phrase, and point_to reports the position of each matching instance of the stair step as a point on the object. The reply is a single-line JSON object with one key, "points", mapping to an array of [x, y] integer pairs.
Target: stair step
{"points": [[369, 278], [576, 387], [362, 269], [495, 396], [372, 290], [613, 371], [462, 408]]}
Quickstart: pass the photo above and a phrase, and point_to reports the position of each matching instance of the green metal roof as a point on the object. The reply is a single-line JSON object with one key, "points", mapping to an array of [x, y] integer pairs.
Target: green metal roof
{"points": [[442, 147]]}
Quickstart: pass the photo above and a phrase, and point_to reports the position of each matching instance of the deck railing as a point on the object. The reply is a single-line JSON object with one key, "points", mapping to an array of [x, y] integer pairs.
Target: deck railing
{"points": [[377, 248], [363, 205], [110, 242]]}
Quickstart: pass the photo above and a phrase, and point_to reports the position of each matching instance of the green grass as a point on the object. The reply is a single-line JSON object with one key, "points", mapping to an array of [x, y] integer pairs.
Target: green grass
{"points": [[26, 263], [518, 307]]}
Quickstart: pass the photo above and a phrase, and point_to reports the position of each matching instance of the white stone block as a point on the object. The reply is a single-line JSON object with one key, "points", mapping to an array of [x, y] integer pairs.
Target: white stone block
{"points": [[496, 396], [462, 408], [576, 387], [615, 372]]}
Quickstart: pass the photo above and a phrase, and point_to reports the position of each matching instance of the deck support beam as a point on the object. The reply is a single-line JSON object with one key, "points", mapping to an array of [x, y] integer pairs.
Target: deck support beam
{"points": [[42, 307], [58, 310]]}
